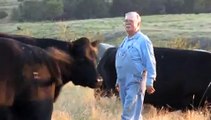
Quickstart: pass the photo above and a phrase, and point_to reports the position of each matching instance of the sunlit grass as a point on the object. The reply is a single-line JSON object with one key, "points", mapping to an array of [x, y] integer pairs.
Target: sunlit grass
{"points": [[78, 103]]}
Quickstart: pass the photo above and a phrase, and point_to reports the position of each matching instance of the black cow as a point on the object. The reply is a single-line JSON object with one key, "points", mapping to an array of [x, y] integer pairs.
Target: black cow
{"points": [[106, 69], [82, 70], [182, 80]]}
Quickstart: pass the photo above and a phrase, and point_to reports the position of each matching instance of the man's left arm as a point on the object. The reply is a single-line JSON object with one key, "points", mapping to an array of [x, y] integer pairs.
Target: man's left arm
{"points": [[149, 61]]}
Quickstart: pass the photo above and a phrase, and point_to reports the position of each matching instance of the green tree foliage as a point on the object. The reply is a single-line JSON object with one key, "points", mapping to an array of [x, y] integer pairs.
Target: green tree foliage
{"points": [[189, 6], [3, 14], [40, 10], [16, 15], [91, 9], [36, 10], [202, 6], [119, 7], [174, 6], [70, 6], [53, 8], [207, 5], [151, 6]]}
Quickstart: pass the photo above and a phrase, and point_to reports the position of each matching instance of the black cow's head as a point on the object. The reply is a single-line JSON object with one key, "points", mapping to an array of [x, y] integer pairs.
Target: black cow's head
{"points": [[84, 71]]}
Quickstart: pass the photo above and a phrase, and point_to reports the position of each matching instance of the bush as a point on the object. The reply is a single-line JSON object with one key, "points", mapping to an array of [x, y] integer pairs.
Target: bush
{"points": [[40, 10], [53, 8], [183, 43], [91, 9], [3, 14], [16, 15]]}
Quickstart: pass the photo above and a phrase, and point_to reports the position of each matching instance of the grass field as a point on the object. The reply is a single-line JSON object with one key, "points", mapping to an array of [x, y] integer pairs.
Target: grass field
{"points": [[160, 28], [78, 103]]}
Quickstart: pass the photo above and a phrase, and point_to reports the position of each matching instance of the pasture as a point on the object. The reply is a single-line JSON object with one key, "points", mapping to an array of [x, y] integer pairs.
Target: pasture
{"points": [[160, 28], [78, 103]]}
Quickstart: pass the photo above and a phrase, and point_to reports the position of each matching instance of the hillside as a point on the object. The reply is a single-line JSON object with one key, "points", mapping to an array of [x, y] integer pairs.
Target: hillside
{"points": [[160, 28]]}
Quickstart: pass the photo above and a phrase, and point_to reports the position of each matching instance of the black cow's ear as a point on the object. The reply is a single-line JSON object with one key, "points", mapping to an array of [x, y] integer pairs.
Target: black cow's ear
{"points": [[95, 43]]}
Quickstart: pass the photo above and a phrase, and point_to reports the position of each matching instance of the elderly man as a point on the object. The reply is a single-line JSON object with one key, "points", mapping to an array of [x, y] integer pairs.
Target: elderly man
{"points": [[135, 67]]}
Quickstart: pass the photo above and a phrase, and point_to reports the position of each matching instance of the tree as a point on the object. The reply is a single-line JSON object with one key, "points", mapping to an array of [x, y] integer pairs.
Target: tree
{"points": [[202, 6], [40, 10], [156, 7], [53, 8], [3, 14], [69, 8], [119, 7], [91, 9], [174, 6], [189, 6]]}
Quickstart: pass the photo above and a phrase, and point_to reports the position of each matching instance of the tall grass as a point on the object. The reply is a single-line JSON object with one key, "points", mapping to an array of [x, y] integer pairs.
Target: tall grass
{"points": [[78, 103]]}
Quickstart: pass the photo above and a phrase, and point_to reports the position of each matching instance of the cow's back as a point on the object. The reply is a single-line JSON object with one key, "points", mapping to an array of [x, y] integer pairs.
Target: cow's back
{"points": [[102, 47], [181, 76]]}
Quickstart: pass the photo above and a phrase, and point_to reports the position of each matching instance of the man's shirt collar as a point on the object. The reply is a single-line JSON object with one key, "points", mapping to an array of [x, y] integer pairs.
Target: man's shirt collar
{"points": [[134, 36]]}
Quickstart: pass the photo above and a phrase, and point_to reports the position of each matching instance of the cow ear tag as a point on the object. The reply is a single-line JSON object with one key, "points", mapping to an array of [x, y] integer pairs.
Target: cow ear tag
{"points": [[36, 75]]}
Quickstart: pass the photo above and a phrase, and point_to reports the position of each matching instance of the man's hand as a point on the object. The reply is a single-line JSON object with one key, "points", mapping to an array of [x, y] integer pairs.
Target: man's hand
{"points": [[117, 87], [150, 89]]}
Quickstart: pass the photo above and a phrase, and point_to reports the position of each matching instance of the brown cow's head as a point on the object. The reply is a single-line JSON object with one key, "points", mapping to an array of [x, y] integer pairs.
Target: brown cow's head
{"points": [[77, 60], [84, 71]]}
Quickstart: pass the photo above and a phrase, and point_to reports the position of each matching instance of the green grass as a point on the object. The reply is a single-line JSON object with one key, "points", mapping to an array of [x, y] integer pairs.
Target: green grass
{"points": [[160, 28], [53, 29], [187, 25]]}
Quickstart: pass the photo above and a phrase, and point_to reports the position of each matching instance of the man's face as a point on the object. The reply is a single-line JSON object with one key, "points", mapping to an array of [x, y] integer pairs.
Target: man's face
{"points": [[130, 26]]}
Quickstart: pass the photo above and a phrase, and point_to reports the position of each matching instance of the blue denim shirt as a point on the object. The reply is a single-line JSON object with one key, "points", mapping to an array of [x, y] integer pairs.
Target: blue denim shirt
{"points": [[141, 52]]}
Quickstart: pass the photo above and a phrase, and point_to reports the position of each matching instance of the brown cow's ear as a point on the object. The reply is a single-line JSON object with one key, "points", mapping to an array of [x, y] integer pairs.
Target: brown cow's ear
{"points": [[95, 43]]}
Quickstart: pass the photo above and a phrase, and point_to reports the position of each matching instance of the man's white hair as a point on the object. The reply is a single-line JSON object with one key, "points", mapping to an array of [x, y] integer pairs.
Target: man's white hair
{"points": [[133, 16]]}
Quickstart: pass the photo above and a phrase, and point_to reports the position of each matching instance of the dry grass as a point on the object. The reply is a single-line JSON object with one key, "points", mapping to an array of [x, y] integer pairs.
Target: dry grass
{"points": [[78, 103], [60, 115], [154, 114]]}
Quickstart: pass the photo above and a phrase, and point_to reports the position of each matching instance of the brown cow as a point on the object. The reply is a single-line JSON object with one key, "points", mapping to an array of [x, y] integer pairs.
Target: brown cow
{"points": [[82, 71], [31, 77]]}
